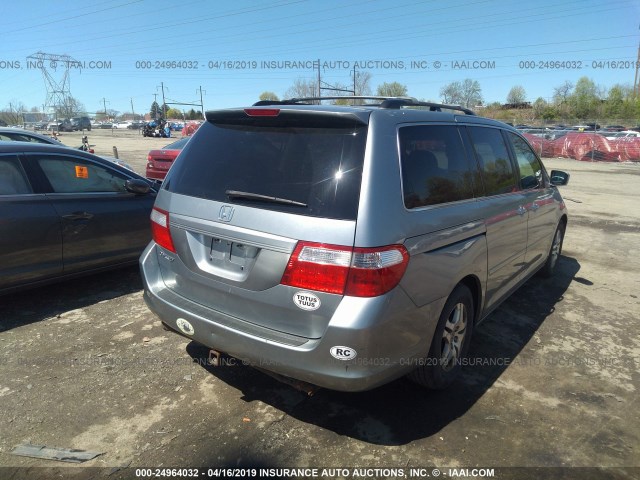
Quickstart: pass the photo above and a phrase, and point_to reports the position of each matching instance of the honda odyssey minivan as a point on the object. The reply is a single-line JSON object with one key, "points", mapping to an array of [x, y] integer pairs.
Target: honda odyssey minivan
{"points": [[346, 246]]}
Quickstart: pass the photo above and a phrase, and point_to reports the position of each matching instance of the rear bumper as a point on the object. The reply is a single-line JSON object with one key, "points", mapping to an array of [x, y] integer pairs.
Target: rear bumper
{"points": [[388, 333], [155, 174]]}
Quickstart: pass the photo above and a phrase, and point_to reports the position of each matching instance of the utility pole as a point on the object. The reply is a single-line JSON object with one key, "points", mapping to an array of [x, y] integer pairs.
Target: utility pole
{"points": [[636, 81], [132, 112], [319, 91], [354, 79], [201, 102], [164, 113], [104, 102]]}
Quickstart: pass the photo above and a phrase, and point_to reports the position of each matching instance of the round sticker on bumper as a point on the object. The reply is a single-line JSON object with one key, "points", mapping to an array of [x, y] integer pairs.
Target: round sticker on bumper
{"points": [[306, 300], [185, 326], [343, 353]]}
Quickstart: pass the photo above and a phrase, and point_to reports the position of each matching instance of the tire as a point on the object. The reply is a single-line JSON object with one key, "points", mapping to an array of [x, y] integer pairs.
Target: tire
{"points": [[555, 250], [450, 342]]}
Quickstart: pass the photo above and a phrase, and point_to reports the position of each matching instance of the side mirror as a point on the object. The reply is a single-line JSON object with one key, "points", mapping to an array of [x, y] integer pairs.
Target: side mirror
{"points": [[558, 178], [137, 186]]}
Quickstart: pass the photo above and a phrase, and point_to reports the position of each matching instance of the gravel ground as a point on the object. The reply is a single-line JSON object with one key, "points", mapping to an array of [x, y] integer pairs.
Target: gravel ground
{"points": [[85, 365]]}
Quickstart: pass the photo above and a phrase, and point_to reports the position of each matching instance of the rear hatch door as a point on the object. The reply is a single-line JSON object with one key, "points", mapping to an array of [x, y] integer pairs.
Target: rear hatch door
{"points": [[246, 189]]}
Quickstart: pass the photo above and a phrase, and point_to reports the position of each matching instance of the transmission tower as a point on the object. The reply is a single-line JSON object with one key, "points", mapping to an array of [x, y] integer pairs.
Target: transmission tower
{"points": [[58, 91]]}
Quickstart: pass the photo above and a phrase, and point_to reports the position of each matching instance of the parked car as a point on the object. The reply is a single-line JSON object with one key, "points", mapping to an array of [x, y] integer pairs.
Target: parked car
{"points": [[9, 134], [19, 135], [81, 123], [66, 212], [65, 126], [622, 134], [121, 125], [159, 161], [348, 246]]}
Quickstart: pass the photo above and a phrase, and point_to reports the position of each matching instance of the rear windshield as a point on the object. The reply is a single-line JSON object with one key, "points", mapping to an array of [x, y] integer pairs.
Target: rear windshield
{"points": [[318, 168], [179, 145]]}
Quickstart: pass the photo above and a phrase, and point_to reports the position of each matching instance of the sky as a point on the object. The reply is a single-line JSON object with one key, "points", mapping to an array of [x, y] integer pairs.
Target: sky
{"points": [[233, 51]]}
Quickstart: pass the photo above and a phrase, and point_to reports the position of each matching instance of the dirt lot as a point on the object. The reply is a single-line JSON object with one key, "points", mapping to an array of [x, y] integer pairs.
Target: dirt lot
{"points": [[132, 147], [555, 380]]}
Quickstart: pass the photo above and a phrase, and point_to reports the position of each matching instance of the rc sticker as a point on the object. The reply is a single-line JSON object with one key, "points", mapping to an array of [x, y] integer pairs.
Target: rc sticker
{"points": [[306, 300], [343, 353], [185, 326]]}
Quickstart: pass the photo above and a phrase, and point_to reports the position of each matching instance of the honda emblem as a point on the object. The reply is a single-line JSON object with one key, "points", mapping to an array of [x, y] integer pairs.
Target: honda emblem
{"points": [[226, 212]]}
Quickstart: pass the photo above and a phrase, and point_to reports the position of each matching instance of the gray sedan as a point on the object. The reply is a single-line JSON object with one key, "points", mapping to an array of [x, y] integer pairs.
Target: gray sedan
{"points": [[66, 212]]}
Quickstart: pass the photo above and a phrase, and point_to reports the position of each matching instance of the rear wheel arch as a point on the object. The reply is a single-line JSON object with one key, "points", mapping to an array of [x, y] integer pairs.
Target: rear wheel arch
{"points": [[473, 284], [451, 339]]}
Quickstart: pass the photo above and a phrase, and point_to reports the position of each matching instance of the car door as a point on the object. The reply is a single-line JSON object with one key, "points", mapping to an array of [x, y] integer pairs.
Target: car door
{"points": [[102, 223], [542, 217], [504, 211], [30, 230]]}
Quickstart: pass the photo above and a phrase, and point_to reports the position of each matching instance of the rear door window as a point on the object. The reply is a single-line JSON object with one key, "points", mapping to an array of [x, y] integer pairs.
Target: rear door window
{"points": [[309, 166], [435, 166], [495, 164]]}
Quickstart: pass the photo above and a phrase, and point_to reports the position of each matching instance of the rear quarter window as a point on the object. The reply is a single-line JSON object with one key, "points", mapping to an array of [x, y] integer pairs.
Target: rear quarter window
{"points": [[318, 166], [13, 180]]}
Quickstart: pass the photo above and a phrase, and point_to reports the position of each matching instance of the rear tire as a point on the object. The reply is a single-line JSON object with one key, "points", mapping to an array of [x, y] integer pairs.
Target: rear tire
{"points": [[555, 251], [450, 342]]}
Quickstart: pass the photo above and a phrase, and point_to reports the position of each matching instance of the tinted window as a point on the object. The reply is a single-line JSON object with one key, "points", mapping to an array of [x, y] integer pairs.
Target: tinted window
{"points": [[497, 171], [75, 175], [179, 145], [13, 181], [435, 167], [318, 166], [529, 166]]}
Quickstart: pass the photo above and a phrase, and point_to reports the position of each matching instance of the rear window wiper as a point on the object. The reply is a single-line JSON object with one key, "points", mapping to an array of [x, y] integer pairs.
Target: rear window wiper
{"points": [[264, 198]]}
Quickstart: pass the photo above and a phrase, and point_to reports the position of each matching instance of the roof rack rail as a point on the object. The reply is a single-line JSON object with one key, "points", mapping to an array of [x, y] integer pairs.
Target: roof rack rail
{"points": [[397, 103], [308, 100], [385, 102]]}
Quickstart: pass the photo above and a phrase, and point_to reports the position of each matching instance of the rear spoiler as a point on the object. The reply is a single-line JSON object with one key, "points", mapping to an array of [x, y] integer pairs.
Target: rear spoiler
{"points": [[283, 117]]}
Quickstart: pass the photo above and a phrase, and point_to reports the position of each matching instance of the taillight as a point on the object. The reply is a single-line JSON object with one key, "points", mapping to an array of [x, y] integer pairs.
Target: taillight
{"points": [[358, 272], [160, 229], [375, 271]]}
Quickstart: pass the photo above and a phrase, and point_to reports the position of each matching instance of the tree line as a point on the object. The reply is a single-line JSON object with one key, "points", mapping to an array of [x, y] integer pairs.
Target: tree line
{"points": [[568, 102], [581, 101]]}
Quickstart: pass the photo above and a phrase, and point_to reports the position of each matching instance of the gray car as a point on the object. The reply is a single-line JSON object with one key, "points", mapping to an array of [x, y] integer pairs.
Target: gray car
{"points": [[65, 213], [348, 246]]}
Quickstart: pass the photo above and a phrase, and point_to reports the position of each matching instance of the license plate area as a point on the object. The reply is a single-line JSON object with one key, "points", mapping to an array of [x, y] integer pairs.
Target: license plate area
{"points": [[222, 257], [232, 255]]}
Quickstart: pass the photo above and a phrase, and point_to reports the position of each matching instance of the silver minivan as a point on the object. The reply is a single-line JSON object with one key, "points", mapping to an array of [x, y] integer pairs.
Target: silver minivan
{"points": [[346, 246]]}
